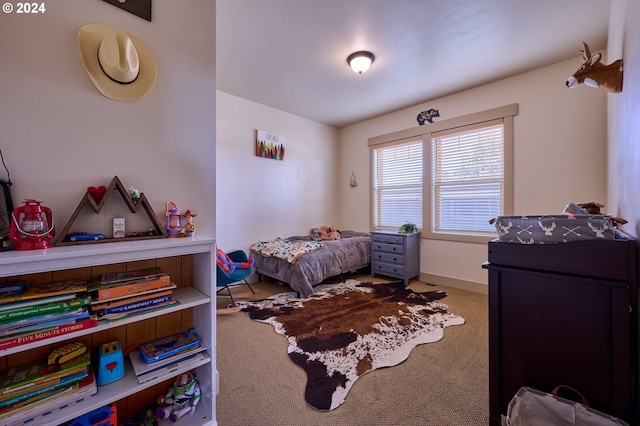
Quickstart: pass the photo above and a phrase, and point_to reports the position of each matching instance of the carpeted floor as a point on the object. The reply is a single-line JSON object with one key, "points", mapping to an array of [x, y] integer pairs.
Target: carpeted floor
{"points": [[442, 383]]}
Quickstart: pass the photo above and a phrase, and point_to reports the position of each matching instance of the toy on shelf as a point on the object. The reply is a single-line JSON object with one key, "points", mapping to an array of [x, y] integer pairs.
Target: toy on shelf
{"points": [[100, 205], [180, 399], [32, 226], [189, 228]]}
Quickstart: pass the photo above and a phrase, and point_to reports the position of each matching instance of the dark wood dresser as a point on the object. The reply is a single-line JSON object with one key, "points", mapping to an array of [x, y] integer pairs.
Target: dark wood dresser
{"points": [[564, 314]]}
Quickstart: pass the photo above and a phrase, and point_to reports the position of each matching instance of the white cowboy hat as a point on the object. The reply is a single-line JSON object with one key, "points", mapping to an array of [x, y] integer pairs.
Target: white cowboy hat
{"points": [[120, 65]]}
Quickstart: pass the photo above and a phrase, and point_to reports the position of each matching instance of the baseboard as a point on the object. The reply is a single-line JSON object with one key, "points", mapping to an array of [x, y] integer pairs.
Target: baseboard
{"points": [[455, 283]]}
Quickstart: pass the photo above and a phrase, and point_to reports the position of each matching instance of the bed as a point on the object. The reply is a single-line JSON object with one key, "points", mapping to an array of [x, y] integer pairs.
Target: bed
{"points": [[332, 258]]}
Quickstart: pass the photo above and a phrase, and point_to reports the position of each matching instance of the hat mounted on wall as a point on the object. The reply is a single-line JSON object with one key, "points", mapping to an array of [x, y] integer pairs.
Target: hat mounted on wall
{"points": [[121, 66]]}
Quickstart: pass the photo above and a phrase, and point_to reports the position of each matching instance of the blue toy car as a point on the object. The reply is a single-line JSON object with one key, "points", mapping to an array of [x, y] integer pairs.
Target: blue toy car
{"points": [[83, 236]]}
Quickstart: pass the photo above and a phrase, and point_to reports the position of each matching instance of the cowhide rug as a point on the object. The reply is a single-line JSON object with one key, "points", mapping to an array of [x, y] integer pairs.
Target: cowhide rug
{"points": [[344, 331]]}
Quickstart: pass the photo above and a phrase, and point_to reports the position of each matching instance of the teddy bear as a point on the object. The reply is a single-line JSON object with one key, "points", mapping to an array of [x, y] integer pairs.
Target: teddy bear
{"points": [[329, 233], [316, 235], [228, 265]]}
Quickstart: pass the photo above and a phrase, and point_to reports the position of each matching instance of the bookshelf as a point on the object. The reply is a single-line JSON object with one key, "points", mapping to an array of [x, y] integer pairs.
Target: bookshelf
{"points": [[195, 304]]}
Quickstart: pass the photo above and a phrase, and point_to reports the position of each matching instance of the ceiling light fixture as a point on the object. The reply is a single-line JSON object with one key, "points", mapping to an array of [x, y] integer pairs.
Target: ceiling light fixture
{"points": [[360, 61]]}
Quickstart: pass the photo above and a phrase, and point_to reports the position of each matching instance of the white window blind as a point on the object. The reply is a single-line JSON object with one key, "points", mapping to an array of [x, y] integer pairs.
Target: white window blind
{"points": [[397, 184], [467, 178]]}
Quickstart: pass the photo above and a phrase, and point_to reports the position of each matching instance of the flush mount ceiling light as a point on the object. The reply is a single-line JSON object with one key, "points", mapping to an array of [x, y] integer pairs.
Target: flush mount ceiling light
{"points": [[360, 61]]}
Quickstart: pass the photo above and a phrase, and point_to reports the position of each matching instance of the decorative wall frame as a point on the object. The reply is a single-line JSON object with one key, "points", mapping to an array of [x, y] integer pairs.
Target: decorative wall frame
{"points": [[141, 8], [270, 145], [100, 206]]}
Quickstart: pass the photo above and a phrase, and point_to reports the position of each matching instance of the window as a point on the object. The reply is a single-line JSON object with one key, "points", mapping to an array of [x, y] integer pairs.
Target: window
{"points": [[397, 184], [467, 178], [449, 177]]}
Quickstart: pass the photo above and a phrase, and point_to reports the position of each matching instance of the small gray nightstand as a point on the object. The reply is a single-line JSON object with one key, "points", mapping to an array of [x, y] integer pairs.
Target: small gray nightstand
{"points": [[395, 255]]}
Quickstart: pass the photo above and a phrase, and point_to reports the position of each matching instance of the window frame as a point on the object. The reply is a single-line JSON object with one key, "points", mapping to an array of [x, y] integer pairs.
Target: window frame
{"points": [[506, 113]]}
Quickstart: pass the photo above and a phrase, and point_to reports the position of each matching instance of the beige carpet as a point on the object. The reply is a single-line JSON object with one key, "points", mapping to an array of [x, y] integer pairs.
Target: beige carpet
{"points": [[442, 383]]}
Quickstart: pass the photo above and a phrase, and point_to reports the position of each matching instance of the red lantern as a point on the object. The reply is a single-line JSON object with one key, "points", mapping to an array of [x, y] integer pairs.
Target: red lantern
{"points": [[29, 229]]}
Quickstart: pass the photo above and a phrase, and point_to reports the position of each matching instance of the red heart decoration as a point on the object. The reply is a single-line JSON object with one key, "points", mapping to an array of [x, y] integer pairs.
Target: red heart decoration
{"points": [[97, 193]]}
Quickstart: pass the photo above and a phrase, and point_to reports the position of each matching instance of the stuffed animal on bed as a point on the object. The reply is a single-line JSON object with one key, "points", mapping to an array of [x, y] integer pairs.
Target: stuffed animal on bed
{"points": [[316, 235], [228, 265], [329, 233]]}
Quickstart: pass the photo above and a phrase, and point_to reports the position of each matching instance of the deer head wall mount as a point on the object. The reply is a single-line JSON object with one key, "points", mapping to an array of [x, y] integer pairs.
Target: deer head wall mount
{"points": [[595, 74]]}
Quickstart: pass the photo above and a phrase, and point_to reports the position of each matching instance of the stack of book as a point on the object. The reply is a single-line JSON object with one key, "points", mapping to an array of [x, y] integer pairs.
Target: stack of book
{"points": [[37, 388], [122, 295], [161, 358], [33, 312]]}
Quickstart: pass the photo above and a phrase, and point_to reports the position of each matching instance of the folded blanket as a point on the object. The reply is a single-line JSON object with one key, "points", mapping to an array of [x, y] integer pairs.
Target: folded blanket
{"points": [[285, 249]]}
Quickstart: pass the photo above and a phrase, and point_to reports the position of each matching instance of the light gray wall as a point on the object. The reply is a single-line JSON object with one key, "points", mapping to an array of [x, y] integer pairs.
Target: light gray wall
{"points": [[59, 135], [560, 155], [624, 116], [261, 199]]}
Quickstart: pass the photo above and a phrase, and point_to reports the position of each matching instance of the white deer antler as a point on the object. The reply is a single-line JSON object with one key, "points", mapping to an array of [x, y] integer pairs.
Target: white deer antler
{"points": [[505, 229], [598, 230], [547, 229]]}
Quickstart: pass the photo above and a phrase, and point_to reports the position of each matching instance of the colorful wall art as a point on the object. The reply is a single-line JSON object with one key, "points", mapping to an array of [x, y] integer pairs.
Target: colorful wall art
{"points": [[270, 145]]}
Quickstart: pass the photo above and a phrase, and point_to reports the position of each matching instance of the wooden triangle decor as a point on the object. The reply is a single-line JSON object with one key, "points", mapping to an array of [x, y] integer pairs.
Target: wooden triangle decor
{"points": [[89, 199]]}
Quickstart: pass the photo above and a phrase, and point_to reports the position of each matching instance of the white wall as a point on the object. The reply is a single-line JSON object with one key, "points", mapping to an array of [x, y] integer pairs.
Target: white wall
{"points": [[624, 115], [560, 155], [59, 135], [259, 198]]}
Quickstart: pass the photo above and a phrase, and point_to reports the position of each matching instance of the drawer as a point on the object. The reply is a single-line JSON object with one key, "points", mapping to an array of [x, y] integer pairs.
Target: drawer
{"points": [[388, 269], [388, 239], [380, 256], [388, 248]]}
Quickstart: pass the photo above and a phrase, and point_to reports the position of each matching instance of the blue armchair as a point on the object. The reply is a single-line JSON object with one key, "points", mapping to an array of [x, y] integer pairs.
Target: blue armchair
{"points": [[236, 278]]}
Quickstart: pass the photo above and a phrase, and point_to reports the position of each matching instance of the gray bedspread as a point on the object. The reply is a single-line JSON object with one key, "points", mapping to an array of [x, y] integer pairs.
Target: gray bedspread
{"points": [[352, 251]]}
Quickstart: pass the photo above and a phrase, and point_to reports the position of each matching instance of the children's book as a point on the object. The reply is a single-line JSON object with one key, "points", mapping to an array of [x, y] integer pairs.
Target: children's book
{"points": [[63, 382], [138, 305], [34, 302], [32, 311], [127, 300], [30, 373], [43, 321], [169, 370], [37, 291], [48, 402], [50, 321], [145, 273], [168, 346], [140, 366], [99, 304], [45, 333], [129, 289], [14, 288]]}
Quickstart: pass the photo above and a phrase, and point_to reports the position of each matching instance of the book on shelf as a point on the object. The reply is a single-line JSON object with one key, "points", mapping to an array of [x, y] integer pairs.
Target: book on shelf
{"points": [[133, 306], [36, 336], [167, 346], [140, 366], [140, 312], [99, 304], [32, 412], [45, 321], [144, 273], [37, 291], [14, 288], [169, 370], [51, 386], [36, 372], [49, 307], [33, 302], [131, 288]]}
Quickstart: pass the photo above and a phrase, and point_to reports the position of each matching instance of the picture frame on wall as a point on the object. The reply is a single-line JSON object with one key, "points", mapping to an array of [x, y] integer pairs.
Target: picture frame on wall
{"points": [[270, 145]]}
